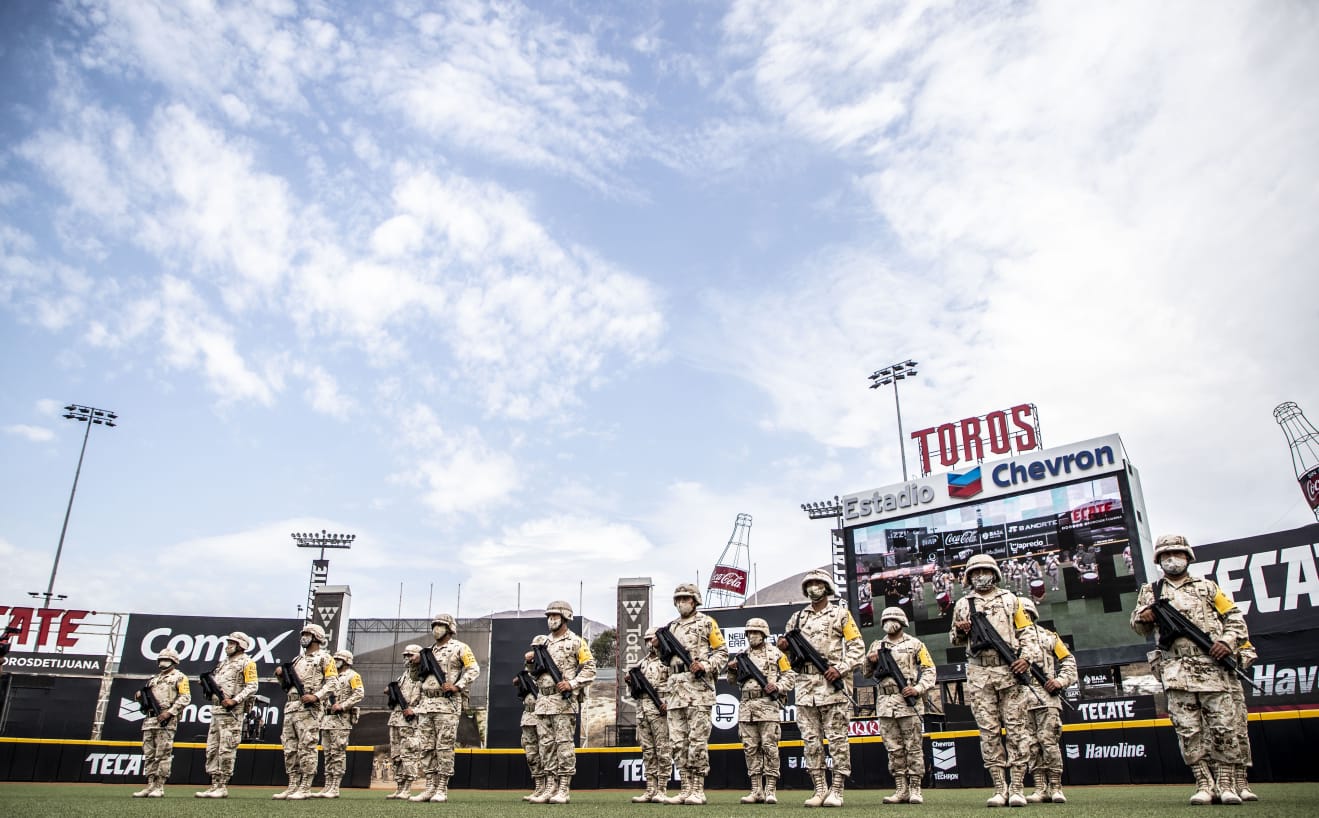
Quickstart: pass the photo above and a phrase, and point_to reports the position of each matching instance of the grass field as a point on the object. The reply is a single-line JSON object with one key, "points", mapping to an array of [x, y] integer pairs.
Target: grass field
{"points": [[110, 801]]}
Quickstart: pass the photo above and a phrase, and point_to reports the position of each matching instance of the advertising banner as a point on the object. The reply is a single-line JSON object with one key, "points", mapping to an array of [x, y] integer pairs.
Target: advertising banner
{"points": [[57, 641], [124, 716], [633, 620], [1274, 577], [199, 641], [730, 579], [330, 610]]}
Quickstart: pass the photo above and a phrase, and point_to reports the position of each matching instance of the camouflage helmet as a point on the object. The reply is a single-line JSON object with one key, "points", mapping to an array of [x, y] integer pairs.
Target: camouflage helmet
{"points": [[316, 631], [894, 613], [412, 650], [539, 639], [242, 640], [446, 620], [170, 654], [757, 624], [819, 575], [1028, 605], [345, 655], [983, 561], [687, 589], [560, 607], [650, 633], [1169, 543]]}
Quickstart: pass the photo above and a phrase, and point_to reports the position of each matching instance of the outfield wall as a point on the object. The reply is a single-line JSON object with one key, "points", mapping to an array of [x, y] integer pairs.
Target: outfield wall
{"points": [[1142, 751]]}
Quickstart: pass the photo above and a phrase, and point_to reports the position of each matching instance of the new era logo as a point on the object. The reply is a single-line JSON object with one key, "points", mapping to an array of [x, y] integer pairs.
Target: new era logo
{"points": [[633, 608], [945, 758], [130, 711], [965, 485], [1073, 751]]}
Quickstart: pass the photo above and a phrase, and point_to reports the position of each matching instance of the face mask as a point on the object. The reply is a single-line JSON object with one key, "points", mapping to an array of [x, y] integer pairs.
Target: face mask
{"points": [[230, 648], [982, 580], [554, 622], [305, 641], [414, 658], [339, 665], [891, 627], [653, 645], [816, 591], [1174, 565], [686, 607], [439, 631], [164, 664], [756, 639]]}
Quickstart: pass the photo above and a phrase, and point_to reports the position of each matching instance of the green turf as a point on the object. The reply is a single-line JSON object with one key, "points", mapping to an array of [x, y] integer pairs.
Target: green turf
{"points": [[110, 801]]}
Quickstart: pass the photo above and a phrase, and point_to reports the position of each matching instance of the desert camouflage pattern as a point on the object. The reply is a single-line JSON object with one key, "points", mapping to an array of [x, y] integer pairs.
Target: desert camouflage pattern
{"points": [[301, 734], [756, 705], [902, 740], [998, 703], [1041, 646], [530, 737], [652, 725], [409, 683], [572, 655], [1208, 726], [171, 690], [460, 668], [917, 666], [1184, 666], [336, 727], [834, 634], [318, 673], [437, 735], [825, 722], [1246, 656], [760, 746], [688, 698], [404, 738], [557, 751], [236, 675]]}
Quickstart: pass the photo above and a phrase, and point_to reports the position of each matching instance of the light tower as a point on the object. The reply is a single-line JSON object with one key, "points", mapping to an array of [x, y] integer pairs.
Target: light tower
{"points": [[1304, 443], [728, 582], [320, 568], [891, 374]]}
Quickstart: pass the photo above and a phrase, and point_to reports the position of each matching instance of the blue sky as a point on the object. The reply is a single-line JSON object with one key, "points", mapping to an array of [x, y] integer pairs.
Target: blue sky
{"points": [[549, 293]]}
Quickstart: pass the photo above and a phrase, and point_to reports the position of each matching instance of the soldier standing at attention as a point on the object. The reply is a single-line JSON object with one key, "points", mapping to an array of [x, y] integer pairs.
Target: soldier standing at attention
{"points": [[1199, 689], [235, 676], [653, 727], [404, 741], [442, 706], [531, 737], [338, 722], [691, 693], [170, 687], [302, 712], [1043, 648], [900, 723], [557, 704], [998, 702], [823, 712], [759, 719]]}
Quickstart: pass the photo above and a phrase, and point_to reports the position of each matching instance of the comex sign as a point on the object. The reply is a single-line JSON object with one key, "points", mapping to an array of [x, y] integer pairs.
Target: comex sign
{"points": [[204, 647]]}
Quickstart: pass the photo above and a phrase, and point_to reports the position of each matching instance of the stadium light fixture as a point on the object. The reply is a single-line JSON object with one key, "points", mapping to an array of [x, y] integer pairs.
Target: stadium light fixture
{"points": [[891, 374]]}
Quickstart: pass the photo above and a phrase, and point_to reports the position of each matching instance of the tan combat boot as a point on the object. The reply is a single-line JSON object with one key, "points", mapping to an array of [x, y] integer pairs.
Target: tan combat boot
{"points": [[563, 792], [1000, 796], [645, 797], [400, 790], [901, 793], [432, 786], [835, 796], [539, 787], [221, 788], [817, 798], [1041, 793], [283, 794], [543, 793], [1243, 786], [303, 792], [1227, 783], [681, 796], [145, 791], [157, 787], [914, 790], [697, 798], [441, 790], [1204, 784], [1056, 787], [1016, 776], [661, 788], [757, 794], [330, 790], [771, 785], [206, 793]]}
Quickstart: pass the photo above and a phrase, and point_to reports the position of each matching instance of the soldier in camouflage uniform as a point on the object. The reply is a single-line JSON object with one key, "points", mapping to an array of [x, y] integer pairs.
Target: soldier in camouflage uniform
{"points": [[170, 688], [302, 713], [653, 727], [1044, 649], [442, 705], [404, 739], [998, 702], [1199, 689], [531, 736], [557, 704], [1246, 656], [900, 723], [338, 721], [690, 694], [236, 677], [823, 713], [759, 720]]}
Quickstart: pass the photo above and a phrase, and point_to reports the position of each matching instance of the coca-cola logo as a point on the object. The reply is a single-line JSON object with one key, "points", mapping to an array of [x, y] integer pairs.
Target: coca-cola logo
{"points": [[962, 538], [1310, 485], [733, 580]]}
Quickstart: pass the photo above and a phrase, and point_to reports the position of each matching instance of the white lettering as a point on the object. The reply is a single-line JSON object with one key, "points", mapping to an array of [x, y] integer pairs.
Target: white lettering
{"points": [[1302, 577], [1231, 585], [1266, 603]]}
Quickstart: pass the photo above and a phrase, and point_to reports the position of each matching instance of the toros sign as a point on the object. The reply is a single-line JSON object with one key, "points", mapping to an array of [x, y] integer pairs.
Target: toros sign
{"points": [[1005, 431]]}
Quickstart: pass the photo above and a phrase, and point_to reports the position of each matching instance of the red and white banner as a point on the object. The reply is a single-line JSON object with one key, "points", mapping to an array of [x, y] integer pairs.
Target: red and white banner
{"points": [[56, 641], [1310, 486], [726, 578]]}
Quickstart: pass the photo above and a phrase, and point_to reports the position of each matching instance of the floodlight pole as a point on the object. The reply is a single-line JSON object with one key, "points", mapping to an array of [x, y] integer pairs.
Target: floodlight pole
{"points": [[322, 541], [891, 374], [89, 415]]}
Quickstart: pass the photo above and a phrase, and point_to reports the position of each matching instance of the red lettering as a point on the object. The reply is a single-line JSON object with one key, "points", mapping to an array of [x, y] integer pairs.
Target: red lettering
{"points": [[1026, 440], [69, 624], [972, 448], [47, 617], [21, 618], [997, 422], [948, 444], [923, 440]]}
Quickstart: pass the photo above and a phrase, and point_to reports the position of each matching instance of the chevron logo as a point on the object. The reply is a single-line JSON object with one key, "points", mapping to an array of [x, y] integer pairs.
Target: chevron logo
{"points": [[130, 710], [1073, 751], [945, 758], [633, 607], [965, 485]]}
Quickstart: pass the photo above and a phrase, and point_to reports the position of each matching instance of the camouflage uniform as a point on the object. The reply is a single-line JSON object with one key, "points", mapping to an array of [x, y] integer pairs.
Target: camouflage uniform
{"points": [[556, 715], [823, 713], [998, 702], [236, 676], [1200, 697], [689, 698], [337, 726], [760, 715], [439, 712], [302, 722], [653, 730], [1041, 646], [531, 738], [900, 724], [170, 688], [404, 739], [1246, 656]]}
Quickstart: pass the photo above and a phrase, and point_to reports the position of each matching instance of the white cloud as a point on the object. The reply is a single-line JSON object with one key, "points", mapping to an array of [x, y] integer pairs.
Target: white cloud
{"points": [[36, 434]]}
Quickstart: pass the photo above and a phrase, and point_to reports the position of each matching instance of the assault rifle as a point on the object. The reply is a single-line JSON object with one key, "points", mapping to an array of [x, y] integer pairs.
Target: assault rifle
{"points": [[542, 662], [148, 702], [211, 688], [1043, 678], [746, 669], [394, 695], [801, 652], [638, 685], [670, 646], [525, 684], [1174, 625], [430, 667], [985, 635], [289, 678], [887, 668]]}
